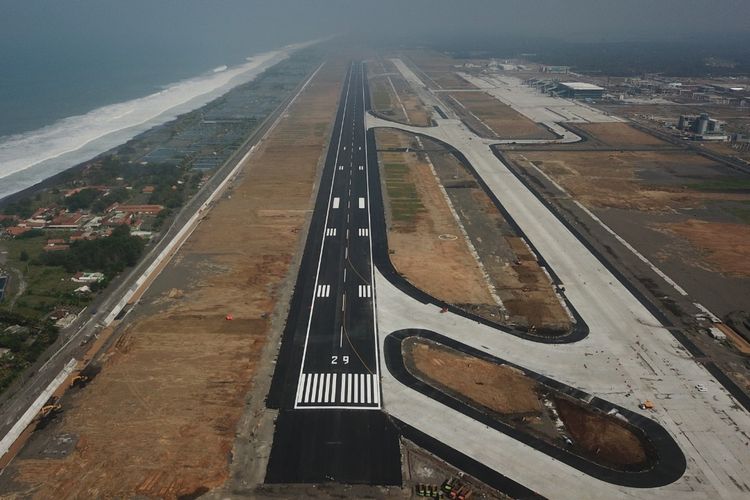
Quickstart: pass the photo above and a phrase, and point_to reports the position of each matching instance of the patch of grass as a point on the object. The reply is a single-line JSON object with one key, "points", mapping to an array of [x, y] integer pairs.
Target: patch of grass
{"points": [[402, 193], [46, 286], [723, 185], [381, 97], [741, 210]]}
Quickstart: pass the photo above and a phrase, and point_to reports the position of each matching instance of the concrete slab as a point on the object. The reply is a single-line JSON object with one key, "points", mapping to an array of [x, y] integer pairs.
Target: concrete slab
{"points": [[538, 107]]}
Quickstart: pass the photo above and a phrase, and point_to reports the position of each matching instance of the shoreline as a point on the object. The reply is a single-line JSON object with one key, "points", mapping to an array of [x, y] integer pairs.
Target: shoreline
{"points": [[109, 140]]}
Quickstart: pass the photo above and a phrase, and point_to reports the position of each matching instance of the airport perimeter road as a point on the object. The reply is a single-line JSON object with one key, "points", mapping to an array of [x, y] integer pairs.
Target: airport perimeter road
{"points": [[330, 427]]}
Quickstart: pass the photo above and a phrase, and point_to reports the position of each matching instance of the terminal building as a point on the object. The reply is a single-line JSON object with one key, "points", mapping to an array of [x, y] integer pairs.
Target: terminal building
{"points": [[579, 90], [702, 126]]}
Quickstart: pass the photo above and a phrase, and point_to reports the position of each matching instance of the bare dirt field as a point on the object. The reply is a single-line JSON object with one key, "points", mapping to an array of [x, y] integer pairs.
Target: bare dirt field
{"points": [[518, 279], [500, 388], [606, 438], [383, 99], [723, 245], [524, 403], [619, 135], [439, 69], [640, 180], [415, 108], [393, 97], [495, 119], [502, 281], [701, 209], [161, 417], [418, 216]]}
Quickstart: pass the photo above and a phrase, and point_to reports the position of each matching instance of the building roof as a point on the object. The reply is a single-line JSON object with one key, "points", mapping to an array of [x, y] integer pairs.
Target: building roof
{"points": [[138, 209], [68, 219], [581, 86], [17, 230]]}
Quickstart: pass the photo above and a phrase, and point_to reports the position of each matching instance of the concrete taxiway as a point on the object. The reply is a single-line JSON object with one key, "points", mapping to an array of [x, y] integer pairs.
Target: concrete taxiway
{"points": [[627, 357]]}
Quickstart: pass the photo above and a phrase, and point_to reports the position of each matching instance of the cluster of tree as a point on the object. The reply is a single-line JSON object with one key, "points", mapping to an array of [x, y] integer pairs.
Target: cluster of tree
{"points": [[109, 255], [82, 199], [94, 200], [111, 167], [32, 233], [25, 347], [23, 208]]}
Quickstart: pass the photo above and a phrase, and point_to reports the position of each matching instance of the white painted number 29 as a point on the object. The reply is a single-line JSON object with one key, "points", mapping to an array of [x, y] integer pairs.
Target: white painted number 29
{"points": [[335, 360]]}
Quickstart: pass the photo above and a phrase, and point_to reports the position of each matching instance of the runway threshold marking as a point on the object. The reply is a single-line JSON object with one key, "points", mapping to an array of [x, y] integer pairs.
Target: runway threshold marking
{"points": [[348, 390]]}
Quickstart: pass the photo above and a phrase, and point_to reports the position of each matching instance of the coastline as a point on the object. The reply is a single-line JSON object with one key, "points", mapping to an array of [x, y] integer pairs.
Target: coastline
{"points": [[41, 174]]}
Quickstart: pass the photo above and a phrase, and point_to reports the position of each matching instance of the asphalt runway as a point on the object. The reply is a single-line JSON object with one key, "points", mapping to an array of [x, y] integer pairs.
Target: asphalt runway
{"points": [[327, 381]]}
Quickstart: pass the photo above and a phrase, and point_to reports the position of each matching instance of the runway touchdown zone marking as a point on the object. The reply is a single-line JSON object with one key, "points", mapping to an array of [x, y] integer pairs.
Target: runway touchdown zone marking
{"points": [[361, 202], [364, 290], [363, 231], [336, 202], [323, 291], [331, 231]]}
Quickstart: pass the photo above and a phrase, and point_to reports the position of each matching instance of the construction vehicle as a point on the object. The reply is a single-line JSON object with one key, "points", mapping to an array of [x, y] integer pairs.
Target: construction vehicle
{"points": [[463, 492], [646, 405], [49, 409], [448, 485], [428, 490], [79, 380]]}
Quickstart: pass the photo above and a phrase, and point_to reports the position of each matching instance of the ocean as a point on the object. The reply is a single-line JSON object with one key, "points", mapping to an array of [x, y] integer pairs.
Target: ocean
{"points": [[62, 106]]}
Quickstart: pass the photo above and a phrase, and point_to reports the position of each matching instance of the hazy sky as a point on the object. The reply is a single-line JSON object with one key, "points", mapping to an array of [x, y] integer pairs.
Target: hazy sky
{"points": [[232, 21]]}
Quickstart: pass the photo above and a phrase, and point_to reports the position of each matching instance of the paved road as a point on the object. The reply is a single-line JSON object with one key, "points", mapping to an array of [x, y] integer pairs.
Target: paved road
{"points": [[330, 427]]}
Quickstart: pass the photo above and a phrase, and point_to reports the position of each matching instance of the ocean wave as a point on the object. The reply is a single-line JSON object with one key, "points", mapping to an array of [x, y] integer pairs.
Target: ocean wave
{"points": [[221, 68], [28, 158]]}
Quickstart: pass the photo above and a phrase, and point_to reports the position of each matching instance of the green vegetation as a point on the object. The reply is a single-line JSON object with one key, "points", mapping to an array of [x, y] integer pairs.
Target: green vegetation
{"points": [[81, 200], [723, 185], [46, 287], [741, 210], [23, 208], [109, 255], [381, 99], [26, 339], [402, 193]]}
